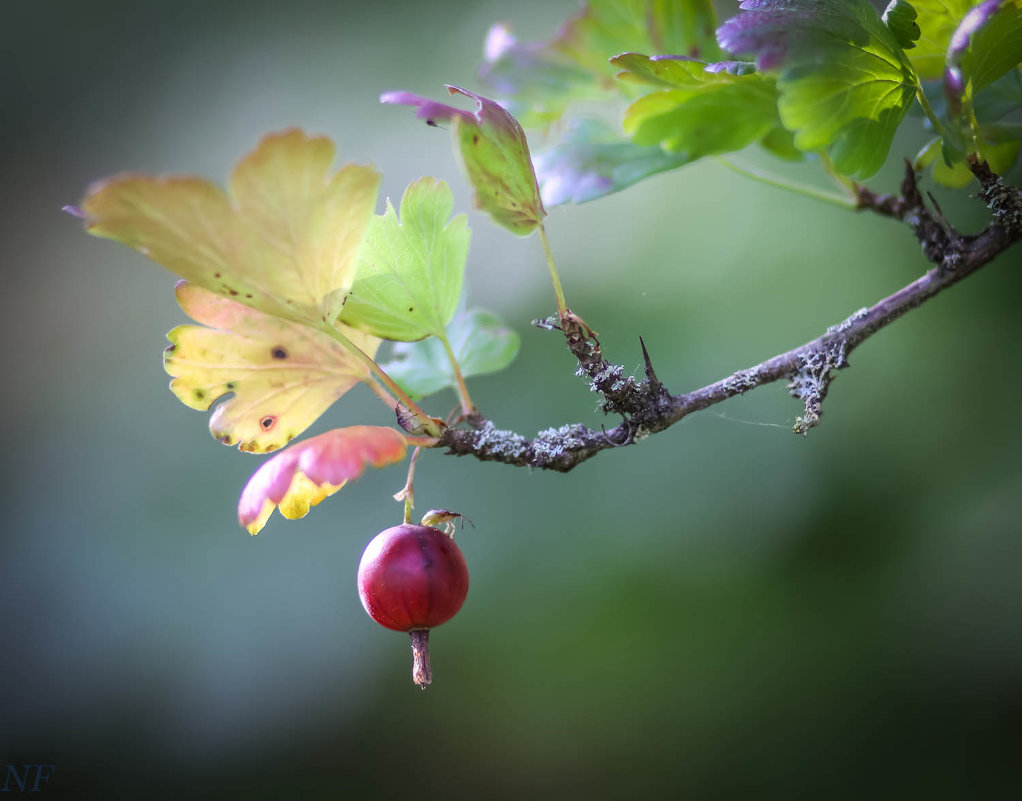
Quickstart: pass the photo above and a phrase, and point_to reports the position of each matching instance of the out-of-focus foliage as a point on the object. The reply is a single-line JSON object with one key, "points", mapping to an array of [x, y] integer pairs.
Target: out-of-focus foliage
{"points": [[480, 342]]}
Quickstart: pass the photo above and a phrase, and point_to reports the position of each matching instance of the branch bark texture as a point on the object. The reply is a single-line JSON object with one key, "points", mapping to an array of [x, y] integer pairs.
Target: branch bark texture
{"points": [[646, 407]]}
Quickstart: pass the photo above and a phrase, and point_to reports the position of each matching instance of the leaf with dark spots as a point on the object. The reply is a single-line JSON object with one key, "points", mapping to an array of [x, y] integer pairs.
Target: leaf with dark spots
{"points": [[284, 375], [494, 154]]}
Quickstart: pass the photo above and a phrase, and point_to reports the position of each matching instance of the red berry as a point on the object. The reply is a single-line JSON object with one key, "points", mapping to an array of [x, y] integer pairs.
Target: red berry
{"points": [[412, 578]]}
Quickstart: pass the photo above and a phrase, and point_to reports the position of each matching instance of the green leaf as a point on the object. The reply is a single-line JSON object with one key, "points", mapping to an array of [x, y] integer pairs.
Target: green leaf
{"points": [[411, 269], [997, 145], [781, 142], [481, 344], [592, 160], [540, 79], [986, 44], [900, 18], [844, 81], [706, 112], [937, 20], [999, 99], [494, 154]]}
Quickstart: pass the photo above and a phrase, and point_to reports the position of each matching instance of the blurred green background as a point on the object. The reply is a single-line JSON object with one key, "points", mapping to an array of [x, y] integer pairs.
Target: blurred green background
{"points": [[726, 610]]}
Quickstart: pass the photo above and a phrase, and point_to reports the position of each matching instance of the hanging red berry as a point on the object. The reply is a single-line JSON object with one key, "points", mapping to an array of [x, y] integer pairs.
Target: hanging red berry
{"points": [[412, 578]]}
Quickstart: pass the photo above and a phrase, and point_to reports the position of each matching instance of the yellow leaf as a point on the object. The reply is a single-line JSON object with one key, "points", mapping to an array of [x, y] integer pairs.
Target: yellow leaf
{"points": [[283, 375], [285, 242]]}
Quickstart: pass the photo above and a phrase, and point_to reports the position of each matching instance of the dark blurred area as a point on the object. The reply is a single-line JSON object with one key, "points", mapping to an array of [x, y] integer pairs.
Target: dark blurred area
{"points": [[724, 611]]}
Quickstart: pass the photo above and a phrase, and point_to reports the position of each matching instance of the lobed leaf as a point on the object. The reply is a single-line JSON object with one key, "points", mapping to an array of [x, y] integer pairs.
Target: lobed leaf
{"points": [[900, 18], [301, 476], [411, 269], [285, 241], [708, 109], [282, 375], [844, 82], [997, 145], [481, 344], [494, 154]]}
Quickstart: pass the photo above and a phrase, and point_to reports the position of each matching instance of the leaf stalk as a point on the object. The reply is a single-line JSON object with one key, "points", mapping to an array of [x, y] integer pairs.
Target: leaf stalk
{"points": [[790, 186], [562, 306]]}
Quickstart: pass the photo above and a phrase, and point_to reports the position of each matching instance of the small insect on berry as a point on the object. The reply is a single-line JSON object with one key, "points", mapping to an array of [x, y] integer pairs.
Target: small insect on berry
{"points": [[413, 578]]}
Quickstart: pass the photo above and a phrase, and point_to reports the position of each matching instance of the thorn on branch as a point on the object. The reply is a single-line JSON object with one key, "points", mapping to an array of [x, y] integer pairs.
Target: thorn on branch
{"points": [[654, 382]]}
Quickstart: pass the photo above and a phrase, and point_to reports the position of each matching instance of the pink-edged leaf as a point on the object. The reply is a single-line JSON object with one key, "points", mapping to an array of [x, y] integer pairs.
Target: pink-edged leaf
{"points": [[302, 475], [494, 153]]}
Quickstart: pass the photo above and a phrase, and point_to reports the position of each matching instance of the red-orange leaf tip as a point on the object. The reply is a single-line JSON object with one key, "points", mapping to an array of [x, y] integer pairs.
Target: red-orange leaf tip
{"points": [[304, 474]]}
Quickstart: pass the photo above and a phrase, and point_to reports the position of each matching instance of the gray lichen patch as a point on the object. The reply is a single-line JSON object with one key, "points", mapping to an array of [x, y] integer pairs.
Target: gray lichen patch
{"points": [[1005, 202], [742, 381], [499, 443], [812, 379], [844, 325], [552, 443]]}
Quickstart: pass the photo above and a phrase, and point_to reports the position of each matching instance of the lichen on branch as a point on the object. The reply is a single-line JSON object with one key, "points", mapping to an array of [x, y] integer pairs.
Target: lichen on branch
{"points": [[646, 407]]}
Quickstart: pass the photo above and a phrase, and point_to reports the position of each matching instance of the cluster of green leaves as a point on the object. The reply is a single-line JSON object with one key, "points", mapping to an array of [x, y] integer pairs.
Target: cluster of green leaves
{"points": [[832, 79]]}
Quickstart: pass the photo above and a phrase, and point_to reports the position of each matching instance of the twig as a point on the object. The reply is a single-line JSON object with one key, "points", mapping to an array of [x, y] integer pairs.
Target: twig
{"points": [[647, 407]]}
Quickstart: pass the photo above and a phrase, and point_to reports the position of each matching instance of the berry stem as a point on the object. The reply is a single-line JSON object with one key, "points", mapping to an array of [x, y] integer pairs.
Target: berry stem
{"points": [[421, 674], [407, 493]]}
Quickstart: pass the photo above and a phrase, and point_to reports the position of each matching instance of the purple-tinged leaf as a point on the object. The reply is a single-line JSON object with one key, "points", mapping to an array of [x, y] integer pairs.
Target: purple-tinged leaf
{"points": [[937, 20], [986, 45], [845, 83], [592, 161], [494, 154]]}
